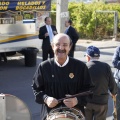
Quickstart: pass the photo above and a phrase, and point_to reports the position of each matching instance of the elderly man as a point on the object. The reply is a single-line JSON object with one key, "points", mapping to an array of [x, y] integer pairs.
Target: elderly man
{"points": [[59, 77], [102, 77]]}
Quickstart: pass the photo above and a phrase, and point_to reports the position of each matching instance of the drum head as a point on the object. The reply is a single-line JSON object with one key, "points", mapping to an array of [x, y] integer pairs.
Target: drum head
{"points": [[62, 119], [16, 109], [64, 113]]}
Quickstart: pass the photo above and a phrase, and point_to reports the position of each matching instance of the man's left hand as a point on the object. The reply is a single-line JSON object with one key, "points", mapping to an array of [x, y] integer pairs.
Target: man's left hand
{"points": [[70, 102]]}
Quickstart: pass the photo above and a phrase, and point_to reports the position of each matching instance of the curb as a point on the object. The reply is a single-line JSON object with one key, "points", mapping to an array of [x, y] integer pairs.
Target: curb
{"points": [[80, 48], [83, 48]]}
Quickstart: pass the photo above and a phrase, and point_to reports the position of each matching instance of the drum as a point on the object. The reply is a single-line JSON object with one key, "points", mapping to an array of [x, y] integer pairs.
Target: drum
{"points": [[13, 108], [64, 113]]}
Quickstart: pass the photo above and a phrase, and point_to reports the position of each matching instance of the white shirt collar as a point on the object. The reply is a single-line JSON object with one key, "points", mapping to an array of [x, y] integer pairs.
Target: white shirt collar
{"points": [[68, 27], [65, 63], [48, 26], [93, 59]]}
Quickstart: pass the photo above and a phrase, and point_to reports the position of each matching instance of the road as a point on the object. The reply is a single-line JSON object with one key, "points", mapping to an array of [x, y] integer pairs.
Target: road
{"points": [[16, 79]]}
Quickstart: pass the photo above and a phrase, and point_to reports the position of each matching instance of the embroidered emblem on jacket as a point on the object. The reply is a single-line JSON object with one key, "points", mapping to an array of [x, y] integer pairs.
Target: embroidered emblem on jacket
{"points": [[71, 75]]}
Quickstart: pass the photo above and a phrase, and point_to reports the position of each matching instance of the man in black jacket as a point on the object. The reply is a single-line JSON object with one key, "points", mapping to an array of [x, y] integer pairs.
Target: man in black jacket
{"points": [[72, 33], [47, 33], [102, 77], [59, 77]]}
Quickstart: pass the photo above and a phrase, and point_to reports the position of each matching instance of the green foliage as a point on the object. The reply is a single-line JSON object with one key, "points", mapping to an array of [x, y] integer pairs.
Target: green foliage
{"points": [[88, 22]]}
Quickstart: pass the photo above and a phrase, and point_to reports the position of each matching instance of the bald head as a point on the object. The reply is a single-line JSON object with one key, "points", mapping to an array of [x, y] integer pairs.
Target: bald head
{"points": [[61, 36], [61, 46]]}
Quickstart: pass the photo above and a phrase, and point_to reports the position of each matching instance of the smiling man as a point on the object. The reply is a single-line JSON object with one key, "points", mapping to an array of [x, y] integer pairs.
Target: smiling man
{"points": [[59, 77]]}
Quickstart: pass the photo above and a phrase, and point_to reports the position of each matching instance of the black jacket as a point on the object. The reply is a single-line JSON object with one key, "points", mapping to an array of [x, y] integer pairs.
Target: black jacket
{"points": [[46, 40], [72, 34], [103, 80]]}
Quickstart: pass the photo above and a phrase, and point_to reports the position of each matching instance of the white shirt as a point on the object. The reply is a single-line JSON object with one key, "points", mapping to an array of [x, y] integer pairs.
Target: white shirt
{"points": [[67, 29], [50, 32], [65, 63], [93, 59]]}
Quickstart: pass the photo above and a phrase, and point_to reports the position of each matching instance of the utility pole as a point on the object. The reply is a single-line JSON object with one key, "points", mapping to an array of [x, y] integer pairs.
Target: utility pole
{"points": [[61, 15]]}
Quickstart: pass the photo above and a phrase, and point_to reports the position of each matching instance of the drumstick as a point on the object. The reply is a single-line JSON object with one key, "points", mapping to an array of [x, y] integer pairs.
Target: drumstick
{"points": [[79, 94]]}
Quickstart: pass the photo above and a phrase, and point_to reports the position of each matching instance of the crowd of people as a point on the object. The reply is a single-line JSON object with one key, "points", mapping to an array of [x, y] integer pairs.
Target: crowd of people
{"points": [[63, 76]]}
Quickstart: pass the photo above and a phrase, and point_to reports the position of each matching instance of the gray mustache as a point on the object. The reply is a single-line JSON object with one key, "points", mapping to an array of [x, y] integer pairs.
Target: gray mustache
{"points": [[61, 51]]}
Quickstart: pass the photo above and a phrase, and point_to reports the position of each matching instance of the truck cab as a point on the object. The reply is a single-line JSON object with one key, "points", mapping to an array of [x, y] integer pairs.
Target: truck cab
{"points": [[19, 29]]}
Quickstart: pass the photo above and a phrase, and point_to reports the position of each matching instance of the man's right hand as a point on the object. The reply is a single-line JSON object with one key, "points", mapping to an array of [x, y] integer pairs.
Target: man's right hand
{"points": [[113, 96], [46, 34], [51, 102]]}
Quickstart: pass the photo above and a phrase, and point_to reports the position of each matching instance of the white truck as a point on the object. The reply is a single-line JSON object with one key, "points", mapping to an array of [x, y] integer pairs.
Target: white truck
{"points": [[19, 25]]}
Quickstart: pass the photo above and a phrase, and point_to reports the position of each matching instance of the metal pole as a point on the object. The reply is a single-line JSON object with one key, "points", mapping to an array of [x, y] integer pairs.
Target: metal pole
{"points": [[115, 21], [115, 24], [62, 6]]}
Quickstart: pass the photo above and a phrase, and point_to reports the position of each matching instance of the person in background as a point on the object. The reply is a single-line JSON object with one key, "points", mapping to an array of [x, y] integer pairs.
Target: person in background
{"points": [[103, 80], [46, 33], [116, 64], [72, 33], [59, 77]]}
